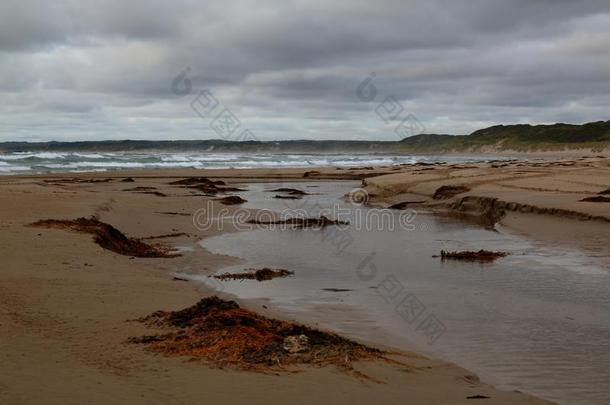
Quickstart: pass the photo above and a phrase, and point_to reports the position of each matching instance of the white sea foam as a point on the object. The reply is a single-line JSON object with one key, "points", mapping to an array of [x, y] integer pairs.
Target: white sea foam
{"points": [[39, 155], [40, 162]]}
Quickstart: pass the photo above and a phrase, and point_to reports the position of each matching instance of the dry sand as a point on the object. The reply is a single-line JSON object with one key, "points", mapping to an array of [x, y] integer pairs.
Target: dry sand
{"points": [[65, 303]]}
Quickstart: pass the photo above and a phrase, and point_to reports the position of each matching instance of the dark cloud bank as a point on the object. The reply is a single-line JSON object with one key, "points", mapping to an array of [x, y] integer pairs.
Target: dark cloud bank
{"points": [[290, 69]]}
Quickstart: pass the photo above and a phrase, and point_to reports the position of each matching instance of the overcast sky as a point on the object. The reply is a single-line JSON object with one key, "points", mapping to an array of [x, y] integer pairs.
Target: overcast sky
{"points": [[110, 69]]}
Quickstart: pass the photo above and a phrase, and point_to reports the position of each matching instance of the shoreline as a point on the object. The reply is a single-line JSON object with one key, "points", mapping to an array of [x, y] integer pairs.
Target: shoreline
{"points": [[56, 297]]}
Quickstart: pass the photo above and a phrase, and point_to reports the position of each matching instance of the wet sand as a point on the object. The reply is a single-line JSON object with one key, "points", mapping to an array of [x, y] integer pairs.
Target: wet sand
{"points": [[538, 199], [66, 302]]}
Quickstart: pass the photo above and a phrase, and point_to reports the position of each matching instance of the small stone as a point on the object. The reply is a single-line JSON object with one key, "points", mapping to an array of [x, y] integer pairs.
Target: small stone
{"points": [[296, 344]]}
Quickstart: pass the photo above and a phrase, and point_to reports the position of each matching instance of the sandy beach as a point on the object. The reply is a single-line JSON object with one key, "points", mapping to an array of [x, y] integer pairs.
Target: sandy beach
{"points": [[68, 305]]}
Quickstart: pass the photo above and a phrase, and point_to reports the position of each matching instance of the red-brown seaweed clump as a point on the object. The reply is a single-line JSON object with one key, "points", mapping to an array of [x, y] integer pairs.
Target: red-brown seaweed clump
{"points": [[109, 237], [222, 334]]}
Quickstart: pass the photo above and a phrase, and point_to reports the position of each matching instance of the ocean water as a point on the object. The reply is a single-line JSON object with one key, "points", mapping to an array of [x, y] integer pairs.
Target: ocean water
{"points": [[536, 321], [49, 162]]}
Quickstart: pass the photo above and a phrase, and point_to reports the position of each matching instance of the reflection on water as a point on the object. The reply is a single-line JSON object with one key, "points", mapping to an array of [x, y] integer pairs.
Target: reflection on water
{"points": [[537, 320]]}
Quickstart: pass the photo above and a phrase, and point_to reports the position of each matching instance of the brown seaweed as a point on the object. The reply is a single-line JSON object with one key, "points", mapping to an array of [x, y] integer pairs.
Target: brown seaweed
{"points": [[258, 275], [232, 200], [222, 334], [467, 255], [301, 222], [596, 199], [109, 237]]}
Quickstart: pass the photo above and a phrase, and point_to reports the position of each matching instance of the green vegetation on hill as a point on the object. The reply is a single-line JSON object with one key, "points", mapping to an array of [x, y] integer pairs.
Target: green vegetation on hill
{"points": [[522, 137]]}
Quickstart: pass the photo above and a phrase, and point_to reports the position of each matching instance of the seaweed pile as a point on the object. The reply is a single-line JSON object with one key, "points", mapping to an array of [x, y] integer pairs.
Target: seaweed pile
{"points": [[192, 181], [167, 235], [473, 256], [289, 193], [205, 185], [222, 334], [157, 193], [597, 198], [287, 197], [259, 275], [232, 200], [301, 222], [445, 192], [146, 190], [182, 214], [109, 237], [76, 180], [140, 188]]}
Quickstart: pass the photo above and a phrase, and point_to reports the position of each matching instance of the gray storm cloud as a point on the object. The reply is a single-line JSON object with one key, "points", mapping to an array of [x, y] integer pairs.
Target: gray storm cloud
{"points": [[290, 69]]}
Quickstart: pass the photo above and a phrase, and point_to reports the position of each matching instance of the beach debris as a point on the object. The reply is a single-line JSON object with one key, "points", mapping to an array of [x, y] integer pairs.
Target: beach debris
{"points": [[109, 237], [78, 180], [183, 214], [259, 275], [606, 191], [190, 181], [128, 180], [444, 192], [232, 200], [140, 188], [403, 205], [477, 397], [146, 190], [289, 191], [287, 197], [467, 255], [597, 198], [302, 222], [167, 235], [296, 344], [179, 279], [213, 190], [222, 334], [205, 185], [311, 172], [157, 193], [337, 289]]}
